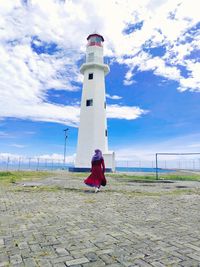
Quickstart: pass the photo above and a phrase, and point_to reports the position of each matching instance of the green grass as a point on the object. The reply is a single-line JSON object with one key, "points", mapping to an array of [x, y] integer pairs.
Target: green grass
{"points": [[40, 189], [143, 177], [181, 177], [152, 177], [7, 177]]}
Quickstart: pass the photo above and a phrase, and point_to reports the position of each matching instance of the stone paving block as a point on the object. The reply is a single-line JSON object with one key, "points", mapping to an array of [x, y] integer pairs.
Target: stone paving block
{"points": [[44, 263], [105, 251], [77, 261], [108, 259], [194, 256], [190, 263], [13, 251], [157, 264], [142, 263], [171, 260], [91, 256], [78, 253], [4, 264], [196, 248], [98, 263], [30, 262], [178, 255], [59, 265], [155, 230], [23, 245], [15, 259], [26, 253], [18, 265], [117, 265], [62, 251], [61, 259], [35, 247], [4, 257]]}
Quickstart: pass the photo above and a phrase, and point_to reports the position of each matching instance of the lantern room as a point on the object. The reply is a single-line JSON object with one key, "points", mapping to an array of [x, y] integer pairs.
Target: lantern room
{"points": [[95, 40]]}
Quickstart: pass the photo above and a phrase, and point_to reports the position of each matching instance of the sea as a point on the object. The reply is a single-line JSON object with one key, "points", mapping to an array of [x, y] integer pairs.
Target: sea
{"points": [[47, 167], [141, 169]]}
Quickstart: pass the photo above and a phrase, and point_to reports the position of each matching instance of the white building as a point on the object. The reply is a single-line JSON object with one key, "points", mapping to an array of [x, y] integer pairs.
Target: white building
{"points": [[93, 133]]}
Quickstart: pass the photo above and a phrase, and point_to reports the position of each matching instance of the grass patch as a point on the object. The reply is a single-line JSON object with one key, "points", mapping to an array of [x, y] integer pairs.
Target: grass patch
{"points": [[152, 178], [37, 189], [7, 177], [89, 201], [135, 193], [175, 192], [180, 177], [79, 174]]}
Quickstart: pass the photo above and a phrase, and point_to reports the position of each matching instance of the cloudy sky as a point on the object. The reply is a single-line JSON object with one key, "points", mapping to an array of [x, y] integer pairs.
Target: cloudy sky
{"points": [[153, 89]]}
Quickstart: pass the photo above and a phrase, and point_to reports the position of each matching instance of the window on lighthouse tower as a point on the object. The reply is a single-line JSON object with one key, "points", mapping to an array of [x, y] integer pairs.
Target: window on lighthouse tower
{"points": [[89, 102], [90, 76]]}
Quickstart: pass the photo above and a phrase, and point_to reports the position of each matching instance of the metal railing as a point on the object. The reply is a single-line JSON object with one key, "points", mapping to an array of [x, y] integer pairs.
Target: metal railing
{"points": [[39, 163]]}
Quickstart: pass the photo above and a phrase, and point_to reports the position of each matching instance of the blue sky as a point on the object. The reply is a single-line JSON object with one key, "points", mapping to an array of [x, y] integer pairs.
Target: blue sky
{"points": [[153, 88]]}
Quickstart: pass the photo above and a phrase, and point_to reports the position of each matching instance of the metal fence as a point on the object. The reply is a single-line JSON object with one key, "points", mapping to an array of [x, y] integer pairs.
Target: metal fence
{"points": [[34, 163], [189, 164], [38, 163]]}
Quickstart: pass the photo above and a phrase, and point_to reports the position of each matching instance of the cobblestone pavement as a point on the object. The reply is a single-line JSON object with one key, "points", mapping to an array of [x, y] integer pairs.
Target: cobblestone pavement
{"points": [[61, 222]]}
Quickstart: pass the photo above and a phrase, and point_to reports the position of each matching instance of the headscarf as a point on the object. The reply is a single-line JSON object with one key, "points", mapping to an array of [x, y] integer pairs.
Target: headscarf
{"points": [[97, 155]]}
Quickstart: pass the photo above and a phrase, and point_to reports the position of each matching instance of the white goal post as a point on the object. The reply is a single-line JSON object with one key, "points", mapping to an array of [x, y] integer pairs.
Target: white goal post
{"points": [[169, 154]]}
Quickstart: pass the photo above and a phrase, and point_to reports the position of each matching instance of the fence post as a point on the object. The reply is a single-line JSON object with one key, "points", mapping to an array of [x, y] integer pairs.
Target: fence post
{"points": [[38, 161], [156, 166], [8, 160], [52, 164], [29, 163], [193, 164], [19, 164]]}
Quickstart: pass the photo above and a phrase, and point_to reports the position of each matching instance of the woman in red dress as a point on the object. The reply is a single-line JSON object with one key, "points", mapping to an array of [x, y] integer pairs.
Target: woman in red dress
{"points": [[97, 178]]}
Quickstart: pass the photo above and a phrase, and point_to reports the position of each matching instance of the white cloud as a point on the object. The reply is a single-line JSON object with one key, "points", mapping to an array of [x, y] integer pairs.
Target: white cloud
{"points": [[27, 76], [167, 26], [68, 115], [43, 158], [193, 81], [128, 82], [56, 157], [144, 62], [124, 112], [114, 97], [17, 145], [8, 156], [147, 151]]}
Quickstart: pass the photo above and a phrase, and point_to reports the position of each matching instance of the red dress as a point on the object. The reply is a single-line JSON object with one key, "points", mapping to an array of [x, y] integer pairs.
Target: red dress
{"points": [[96, 178]]}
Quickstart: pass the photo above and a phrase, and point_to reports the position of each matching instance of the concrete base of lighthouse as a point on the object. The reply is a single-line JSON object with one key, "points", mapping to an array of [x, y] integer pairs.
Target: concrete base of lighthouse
{"points": [[109, 159]]}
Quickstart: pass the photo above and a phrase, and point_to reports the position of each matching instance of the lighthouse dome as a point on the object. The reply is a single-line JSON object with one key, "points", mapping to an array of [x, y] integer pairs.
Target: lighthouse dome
{"points": [[95, 39]]}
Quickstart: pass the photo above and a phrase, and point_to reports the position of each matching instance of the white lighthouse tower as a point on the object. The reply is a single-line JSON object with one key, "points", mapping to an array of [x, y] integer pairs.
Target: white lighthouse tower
{"points": [[93, 133]]}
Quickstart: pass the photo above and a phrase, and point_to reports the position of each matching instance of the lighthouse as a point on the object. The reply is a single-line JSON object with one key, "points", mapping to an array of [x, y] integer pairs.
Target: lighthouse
{"points": [[93, 132]]}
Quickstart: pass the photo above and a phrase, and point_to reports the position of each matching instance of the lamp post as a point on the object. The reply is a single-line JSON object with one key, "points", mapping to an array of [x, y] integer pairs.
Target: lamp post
{"points": [[65, 136]]}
